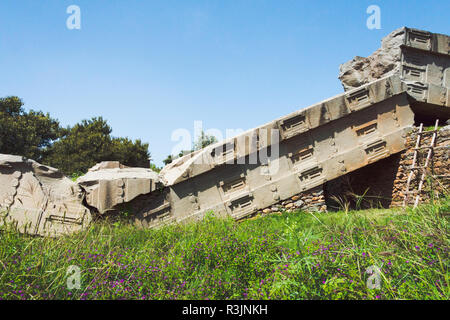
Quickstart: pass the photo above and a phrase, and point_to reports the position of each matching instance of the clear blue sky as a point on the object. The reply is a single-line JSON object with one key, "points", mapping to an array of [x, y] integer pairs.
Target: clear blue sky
{"points": [[150, 67]]}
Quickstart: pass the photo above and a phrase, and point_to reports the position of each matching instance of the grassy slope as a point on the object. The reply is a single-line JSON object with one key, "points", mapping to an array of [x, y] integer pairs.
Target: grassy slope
{"points": [[288, 256]]}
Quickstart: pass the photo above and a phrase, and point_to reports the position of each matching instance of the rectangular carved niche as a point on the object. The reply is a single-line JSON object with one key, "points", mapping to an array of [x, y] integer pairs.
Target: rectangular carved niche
{"points": [[242, 206], [233, 185], [359, 99], [376, 150], [64, 220], [301, 156], [413, 74], [366, 129], [419, 39], [310, 176], [418, 90], [293, 126], [158, 211]]}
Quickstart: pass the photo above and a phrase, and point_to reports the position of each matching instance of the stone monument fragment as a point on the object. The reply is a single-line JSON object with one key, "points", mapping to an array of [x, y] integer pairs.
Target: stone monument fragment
{"points": [[39, 200], [110, 183], [283, 161]]}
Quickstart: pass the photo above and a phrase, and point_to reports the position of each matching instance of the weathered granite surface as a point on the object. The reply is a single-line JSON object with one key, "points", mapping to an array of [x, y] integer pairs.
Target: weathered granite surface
{"points": [[39, 199], [406, 52], [109, 184]]}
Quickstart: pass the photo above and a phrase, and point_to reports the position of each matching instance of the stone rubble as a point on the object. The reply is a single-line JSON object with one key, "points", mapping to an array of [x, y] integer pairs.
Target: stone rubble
{"points": [[439, 167]]}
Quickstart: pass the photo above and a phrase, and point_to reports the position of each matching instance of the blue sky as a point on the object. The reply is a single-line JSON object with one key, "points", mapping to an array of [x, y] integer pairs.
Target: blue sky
{"points": [[151, 67]]}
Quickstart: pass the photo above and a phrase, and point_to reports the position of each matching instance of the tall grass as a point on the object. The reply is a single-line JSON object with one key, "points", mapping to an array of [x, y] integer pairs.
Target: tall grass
{"points": [[288, 256]]}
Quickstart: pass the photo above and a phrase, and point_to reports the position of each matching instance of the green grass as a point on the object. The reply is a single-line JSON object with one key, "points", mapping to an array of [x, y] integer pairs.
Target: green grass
{"points": [[431, 128], [288, 256], [76, 175]]}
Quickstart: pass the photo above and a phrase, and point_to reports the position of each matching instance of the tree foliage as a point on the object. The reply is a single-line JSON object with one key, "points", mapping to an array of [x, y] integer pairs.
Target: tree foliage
{"points": [[204, 140], [90, 142], [25, 133], [168, 160], [37, 136]]}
